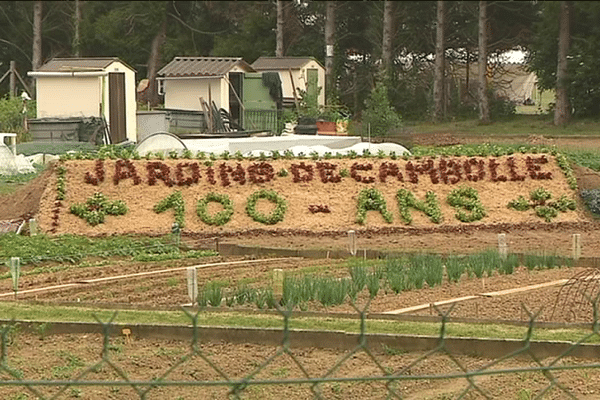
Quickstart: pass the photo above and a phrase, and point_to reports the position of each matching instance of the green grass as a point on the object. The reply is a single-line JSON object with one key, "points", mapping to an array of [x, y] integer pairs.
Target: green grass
{"points": [[11, 183], [542, 103], [520, 125], [19, 311]]}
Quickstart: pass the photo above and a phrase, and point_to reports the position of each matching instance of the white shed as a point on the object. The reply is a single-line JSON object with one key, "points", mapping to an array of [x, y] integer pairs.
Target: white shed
{"points": [[303, 71], [89, 87], [185, 79]]}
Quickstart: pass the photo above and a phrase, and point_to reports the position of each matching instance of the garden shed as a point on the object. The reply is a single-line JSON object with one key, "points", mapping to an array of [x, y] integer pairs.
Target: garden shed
{"points": [[200, 84], [80, 88], [299, 73]]}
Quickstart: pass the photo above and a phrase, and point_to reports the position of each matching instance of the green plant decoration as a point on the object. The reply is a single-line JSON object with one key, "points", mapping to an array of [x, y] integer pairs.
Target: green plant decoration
{"points": [[97, 207], [283, 173], [564, 164], [466, 198], [539, 201], [61, 191], [174, 201], [371, 199], [220, 218], [278, 213], [519, 204], [431, 206]]}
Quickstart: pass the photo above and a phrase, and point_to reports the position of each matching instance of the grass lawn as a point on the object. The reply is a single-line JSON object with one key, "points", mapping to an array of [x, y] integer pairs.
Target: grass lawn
{"points": [[47, 313], [520, 125]]}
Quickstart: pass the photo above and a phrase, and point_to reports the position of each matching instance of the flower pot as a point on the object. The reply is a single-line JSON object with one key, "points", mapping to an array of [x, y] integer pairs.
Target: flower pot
{"points": [[326, 128]]}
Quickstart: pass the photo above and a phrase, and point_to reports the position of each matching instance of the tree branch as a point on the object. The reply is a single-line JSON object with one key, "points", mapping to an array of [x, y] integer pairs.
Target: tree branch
{"points": [[194, 29], [12, 44]]}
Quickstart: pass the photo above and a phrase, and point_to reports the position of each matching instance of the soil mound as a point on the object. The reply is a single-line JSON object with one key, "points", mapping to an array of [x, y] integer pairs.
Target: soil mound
{"points": [[25, 202]]}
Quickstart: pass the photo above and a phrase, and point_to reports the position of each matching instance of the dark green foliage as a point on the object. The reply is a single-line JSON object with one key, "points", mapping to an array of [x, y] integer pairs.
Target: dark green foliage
{"points": [[584, 54], [379, 117], [591, 197]]}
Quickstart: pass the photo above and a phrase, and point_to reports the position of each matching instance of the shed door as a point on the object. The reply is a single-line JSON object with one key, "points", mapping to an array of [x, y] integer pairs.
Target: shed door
{"points": [[312, 83], [117, 110]]}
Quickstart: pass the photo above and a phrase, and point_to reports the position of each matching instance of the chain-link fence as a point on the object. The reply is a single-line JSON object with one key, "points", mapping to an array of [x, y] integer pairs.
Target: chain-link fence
{"points": [[369, 370]]}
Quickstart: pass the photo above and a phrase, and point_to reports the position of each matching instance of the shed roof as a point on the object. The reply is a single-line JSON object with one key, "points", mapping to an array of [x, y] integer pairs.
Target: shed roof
{"points": [[79, 64], [202, 66], [277, 63]]}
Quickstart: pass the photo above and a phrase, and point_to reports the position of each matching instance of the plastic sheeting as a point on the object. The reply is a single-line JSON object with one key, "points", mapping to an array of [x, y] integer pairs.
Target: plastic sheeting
{"points": [[13, 165]]}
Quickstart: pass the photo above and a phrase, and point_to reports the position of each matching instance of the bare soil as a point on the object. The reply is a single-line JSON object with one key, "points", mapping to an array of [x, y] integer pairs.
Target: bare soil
{"points": [[66, 356]]}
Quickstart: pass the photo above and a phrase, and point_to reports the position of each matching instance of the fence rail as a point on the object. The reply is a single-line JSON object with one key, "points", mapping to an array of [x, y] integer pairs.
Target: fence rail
{"points": [[268, 120], [397, 371]]}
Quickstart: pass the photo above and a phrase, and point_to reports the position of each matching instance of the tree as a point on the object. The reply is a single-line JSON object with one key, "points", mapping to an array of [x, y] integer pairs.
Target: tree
{"points": [[562, 110], [379, 117], [76, 30], [386, 48], [154, 61], [280, 24], [329, 50], [484, 108], [438, 83], [36, 58], [251, 31], [583, 61]]}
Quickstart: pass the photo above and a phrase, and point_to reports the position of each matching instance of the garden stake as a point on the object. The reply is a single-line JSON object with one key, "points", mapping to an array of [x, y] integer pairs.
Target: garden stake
{"points": [[502, 246], [352, 240], [278, 283], [576, 246], [192, 283], [15, 271]]}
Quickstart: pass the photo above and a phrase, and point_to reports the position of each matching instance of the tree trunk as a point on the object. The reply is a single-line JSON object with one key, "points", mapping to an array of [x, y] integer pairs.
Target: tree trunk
{"points": [[36, 51], [438, 83], [484, 107], [329, 47], [153, 61], [76, 34], [36, 58], [280, 24], [562, 111], [386, 50]]}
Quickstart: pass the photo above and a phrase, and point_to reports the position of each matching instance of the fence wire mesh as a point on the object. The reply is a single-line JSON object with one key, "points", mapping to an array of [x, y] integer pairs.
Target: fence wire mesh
{"points": [[362, 372]]}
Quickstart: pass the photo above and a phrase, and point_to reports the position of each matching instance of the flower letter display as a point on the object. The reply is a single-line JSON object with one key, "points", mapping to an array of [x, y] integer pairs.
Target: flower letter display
{"points": [[325, 193], [372, 200], [97, 207], [174, 201], [272, 196], [220, 218], [539, 201], [468, 206]]}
